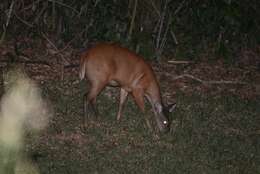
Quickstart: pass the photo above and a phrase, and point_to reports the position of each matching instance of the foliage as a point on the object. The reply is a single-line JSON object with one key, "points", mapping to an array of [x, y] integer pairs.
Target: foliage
{"points": [[186, 28], [225, 26]]}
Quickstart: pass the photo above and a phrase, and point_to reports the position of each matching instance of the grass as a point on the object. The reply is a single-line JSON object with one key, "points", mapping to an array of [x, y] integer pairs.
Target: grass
{"points": [[209, 134]]}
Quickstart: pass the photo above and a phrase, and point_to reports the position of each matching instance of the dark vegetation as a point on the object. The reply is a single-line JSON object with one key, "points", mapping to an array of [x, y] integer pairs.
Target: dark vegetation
{"points": [[206, 57], [183, 28]]}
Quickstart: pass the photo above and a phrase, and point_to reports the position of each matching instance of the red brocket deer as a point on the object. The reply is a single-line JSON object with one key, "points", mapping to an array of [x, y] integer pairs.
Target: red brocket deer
{"points": [[110, 64]]}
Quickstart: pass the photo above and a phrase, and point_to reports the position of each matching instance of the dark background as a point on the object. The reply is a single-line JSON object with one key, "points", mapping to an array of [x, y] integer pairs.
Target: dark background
{"points": [[205, 54], [183, 29]]}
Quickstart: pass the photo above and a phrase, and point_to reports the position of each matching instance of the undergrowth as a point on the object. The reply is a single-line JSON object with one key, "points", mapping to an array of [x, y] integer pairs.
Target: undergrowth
{"points": [[208, 135]]}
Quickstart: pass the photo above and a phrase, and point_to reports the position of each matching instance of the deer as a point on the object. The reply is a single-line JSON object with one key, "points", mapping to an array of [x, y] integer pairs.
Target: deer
{"points": [[109, 64]]}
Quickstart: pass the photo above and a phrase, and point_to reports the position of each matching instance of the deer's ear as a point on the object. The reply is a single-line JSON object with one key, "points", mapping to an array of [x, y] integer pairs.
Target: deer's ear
{"points": [[171, 107]]}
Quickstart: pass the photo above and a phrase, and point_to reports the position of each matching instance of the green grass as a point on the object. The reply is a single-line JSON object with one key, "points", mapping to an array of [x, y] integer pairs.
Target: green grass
{"points": [[208, 135]]}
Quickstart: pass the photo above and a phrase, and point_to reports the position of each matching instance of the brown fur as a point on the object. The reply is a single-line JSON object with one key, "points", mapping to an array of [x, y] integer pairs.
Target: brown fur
{"points": [[105, 64]]}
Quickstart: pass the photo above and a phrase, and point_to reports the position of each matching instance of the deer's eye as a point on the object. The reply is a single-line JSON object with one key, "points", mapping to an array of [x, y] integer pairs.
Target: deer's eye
{"points": [[165, 122]]}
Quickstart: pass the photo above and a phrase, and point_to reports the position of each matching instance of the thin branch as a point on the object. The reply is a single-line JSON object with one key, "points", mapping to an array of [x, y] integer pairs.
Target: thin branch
{"points": [[209, 82], [65, 5], [7, 21], [23, 21], [179, 8], [68, 44], [132, 20], [96, 3], [161, 25], [174, 37], [39, 14], [155, 8], [9, 13], [161, 38], [83, 8], [165, 34], [50, 42], [31, 5], [58, 52]]}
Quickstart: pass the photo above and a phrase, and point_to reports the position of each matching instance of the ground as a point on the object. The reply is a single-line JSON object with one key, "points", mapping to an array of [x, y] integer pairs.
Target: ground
{"points": [[214, 129]]}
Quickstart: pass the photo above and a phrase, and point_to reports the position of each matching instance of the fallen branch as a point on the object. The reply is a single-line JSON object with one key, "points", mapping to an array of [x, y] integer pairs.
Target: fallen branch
{"points": [[257, 132], [27, 62], [209, 82], [35, 62], [240, 132], [180, 62], [71, 66]]}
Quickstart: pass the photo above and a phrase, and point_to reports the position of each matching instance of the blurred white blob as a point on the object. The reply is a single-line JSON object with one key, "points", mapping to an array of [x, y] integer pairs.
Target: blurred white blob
{"points": [[25, 167], [22, 107]]}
